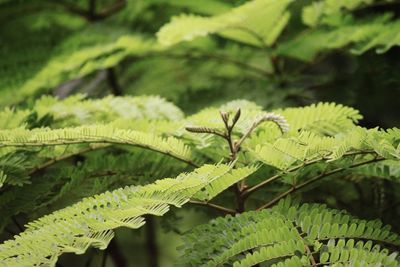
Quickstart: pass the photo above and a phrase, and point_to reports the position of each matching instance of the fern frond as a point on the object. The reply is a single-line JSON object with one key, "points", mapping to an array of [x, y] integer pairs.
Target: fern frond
{"points": [[319, 12], [290, 233], [63, 231], [308, 147], [224, 182], [258, 22], [76, 110], [325, 118], [10, 119], [378, 33], [13, 168], [94, 134], [67, 65]]}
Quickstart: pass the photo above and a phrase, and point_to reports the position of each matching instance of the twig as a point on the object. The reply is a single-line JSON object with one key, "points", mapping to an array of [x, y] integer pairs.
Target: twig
{"points": [[200, 56], [116, 254], [310, 181], [253, 189], [104, 258], [113, 82], [91, 15], [213, 206], [61, 158], [189, 162], [151, 242], [20, 228], [308, 250]]}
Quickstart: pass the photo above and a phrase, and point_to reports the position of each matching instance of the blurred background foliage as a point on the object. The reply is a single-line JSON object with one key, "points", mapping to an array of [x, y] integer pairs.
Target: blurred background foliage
{"points": [[338, 51]]}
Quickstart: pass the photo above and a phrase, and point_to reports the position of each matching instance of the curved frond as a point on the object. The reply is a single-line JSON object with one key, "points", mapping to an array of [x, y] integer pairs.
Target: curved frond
{"points": [[224, 182], [319, 12], [258, 22], [90, 222], [379, 33], [301, 235], [94, 134], [66, 64], [76, 110]]}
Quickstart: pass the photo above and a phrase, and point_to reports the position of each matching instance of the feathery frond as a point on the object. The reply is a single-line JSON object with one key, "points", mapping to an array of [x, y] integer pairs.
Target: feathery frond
{"points": [[246, 23], [304, 235], [90, 222]]}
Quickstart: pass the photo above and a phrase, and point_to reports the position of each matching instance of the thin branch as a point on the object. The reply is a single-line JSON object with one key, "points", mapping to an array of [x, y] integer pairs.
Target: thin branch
{"points": [[91, 15], [20, 228], [113, 82], [253, 189], [61, 158], [151, 242], [189, 162], [104, 258], [213, 206], [308, 250], [92, 9], [116, 254], [111, 9], [315, 179], [200, 56]]}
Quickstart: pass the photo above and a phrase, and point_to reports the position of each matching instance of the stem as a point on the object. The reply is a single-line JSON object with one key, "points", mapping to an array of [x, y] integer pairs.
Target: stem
{"points": [[113, 82], [316, 178], [20, 228], [220, 58], [213, 206], [151, 242], [63, 142], [91, 15], [104, 258], [308, 250], [253, 189], [92, 9], [61, 158], [116, 255]]}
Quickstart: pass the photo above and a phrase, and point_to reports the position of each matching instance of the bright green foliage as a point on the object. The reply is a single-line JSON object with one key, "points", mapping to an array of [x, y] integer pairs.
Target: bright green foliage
{"points": [[88, 135], [322, 12], [88, 223], [76, 110], [93, 134], [245, 24], [293, 145], [306, 235]]}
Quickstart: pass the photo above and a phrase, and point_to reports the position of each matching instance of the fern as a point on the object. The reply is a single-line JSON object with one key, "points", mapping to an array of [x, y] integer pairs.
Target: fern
{"points": [[243, 24], [378, 33], [100, 214], [290, 235], [319, 12], [94, 134], [299, 142], [83, 62], [77, 110], [77, 164]]}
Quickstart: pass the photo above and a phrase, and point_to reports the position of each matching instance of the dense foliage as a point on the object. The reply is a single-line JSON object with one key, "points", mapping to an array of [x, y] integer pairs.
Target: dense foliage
{"points": [[234, 101]]}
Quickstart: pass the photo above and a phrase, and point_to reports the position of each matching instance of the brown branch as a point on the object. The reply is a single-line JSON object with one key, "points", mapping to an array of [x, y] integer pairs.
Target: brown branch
{"points": [[113, 82], [112, 9], [213, 206], [116, 255], [253, 189], [151, 242], [216, 57], [167, 153], [308, 250], [61, 158], [91, 15], [312, 180]]}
